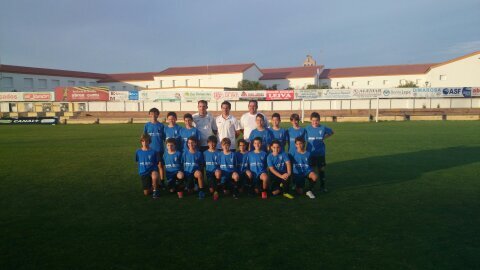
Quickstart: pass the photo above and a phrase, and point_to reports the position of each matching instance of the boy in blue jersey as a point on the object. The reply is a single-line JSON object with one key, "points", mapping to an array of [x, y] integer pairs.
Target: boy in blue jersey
{"points": [[242, 165], [173, 168], [316, 134], [193, 166], [302, 169], [280, 169], [188, 131], [228, 167], [279, 134], [157, 134], [172, 130], [294, 132], [257, 161], [261, 132], [147, 160], [212, 166]]}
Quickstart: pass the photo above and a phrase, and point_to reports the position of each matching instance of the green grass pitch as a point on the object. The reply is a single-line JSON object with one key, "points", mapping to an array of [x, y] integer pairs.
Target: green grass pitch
{"points": [[403, 195]]}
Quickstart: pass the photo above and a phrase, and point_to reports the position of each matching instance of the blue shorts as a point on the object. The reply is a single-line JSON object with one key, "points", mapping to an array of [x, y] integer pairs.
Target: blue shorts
{"points": [[226, 178], [275, 182]]}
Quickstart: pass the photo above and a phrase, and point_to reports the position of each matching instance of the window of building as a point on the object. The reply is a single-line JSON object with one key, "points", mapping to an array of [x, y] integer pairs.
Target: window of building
{"points": [[418, 82], [112, 87], [71, 83], [385, 82], [186, 83], [7, 82], [354, 83], [369, 83], [91, 83], [161, 84], [42, 83], [82, 83], [443, 77], [338, 84], [199, 80], [28, 83], [55, 83], [146, 86], [402, 82], [124, 88], [173, 83]]}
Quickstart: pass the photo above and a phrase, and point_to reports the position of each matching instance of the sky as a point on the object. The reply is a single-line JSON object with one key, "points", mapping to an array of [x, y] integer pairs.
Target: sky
{"points": [[109, 36]]}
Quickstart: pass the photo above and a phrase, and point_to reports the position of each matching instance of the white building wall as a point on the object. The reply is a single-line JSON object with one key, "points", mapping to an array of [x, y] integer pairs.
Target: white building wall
{"points": [[29, 82], [281, 84], [374, 81], [129, 85], [252, 74], [464, 72], [301, 83], [210, 80]]}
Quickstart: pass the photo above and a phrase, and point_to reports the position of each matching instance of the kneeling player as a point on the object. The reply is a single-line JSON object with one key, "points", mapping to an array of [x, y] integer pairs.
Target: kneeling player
{"points": [[257, 160], [173, 168], [242, 166], [193, 166], [280, 169], [147, 160], [228, 163], [302, 169], [212, 166]]}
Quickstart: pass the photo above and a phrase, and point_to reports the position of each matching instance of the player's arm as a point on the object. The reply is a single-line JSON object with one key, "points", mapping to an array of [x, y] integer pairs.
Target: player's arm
{"points": [[274, 172], [288, 164]]}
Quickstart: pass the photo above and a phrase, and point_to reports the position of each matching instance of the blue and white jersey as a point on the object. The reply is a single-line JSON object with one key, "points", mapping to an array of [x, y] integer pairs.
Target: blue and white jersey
{"points": [[192, 162], [173, 162], [212, 162], [301, 163], [266, 135], [242, 162], [186, 133], [280, 135], [147, 161], [315, 136], [157, 135], [228, 163], [294, 133], [174, 132], [278, 162], [257, 162]]}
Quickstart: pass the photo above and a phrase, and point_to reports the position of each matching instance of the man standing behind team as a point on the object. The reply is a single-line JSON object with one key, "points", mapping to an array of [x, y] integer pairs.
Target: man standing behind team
{"points": [[205, 123], [228, 126], [248, 120]]}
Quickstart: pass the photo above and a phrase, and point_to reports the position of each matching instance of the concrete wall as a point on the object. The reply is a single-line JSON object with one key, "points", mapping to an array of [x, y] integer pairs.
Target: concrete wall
{"points": [[464, 72], [39, 83]]}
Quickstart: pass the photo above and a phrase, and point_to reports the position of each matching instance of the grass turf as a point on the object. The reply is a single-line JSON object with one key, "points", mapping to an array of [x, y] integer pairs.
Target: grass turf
{"points": [[403, 195]]}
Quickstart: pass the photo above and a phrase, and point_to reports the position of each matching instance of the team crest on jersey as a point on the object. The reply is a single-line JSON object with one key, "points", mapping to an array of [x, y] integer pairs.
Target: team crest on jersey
{"points": [[281, 158]]}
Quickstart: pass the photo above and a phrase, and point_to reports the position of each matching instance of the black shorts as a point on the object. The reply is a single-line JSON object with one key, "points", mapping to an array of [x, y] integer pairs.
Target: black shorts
{"points": [[276, 181], [146, 181], [318, 161]]}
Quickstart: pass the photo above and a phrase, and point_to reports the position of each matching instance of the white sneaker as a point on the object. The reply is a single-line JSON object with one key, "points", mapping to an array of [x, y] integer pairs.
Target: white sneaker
{"points": [[310, 194]]}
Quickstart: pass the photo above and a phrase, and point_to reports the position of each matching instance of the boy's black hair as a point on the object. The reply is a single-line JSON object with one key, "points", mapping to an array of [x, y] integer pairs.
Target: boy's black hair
{"points": [[242, 141], [257, 139], [193, 138], [212, 139], [226, 103], [171, 140], [226, 141], [188, 116], [294, 116], [154, 110], [203, 101], [174, 114], [276, 115], [145, 137], [315, 115], [260, 115], [253, 101], [300, 139], [276, 142]]}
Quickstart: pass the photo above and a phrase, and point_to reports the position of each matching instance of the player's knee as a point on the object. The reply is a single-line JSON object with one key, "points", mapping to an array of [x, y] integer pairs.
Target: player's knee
{"points": [[180, 175], [235, 177], [218, 174], [313, 177]]}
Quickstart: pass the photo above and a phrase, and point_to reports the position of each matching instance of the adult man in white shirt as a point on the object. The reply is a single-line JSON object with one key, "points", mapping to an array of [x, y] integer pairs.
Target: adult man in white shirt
{"points": [[205, 123], [248, 120], [228, 126]]}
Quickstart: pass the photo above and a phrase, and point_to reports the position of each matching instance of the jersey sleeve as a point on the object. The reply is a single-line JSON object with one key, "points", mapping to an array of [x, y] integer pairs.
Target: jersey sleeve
{"points": [[328, 131], [269, 161], [145, 129], [136, 156], [285, 157]]}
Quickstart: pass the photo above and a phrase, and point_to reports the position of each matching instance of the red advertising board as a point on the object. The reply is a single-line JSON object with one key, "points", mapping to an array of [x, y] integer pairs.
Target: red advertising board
{"points": [[280, 95], [37, 96], [81, 94]]}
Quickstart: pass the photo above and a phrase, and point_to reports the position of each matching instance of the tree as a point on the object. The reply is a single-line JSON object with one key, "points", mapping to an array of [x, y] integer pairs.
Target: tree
{"points": [[273, 87], [250, 85], [314, 86], [408, 84]]}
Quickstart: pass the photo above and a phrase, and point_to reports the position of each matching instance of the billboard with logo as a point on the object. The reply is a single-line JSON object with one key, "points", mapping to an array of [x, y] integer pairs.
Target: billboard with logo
{"points": [[476, 92], [280, 95], [225, 95], [27, 96], [82, 93], [253, 94], [118, 95], [457, 92], [427, 92]]}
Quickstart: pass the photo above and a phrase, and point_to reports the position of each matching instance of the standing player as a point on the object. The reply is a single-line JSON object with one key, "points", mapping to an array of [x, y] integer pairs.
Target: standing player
{"points": [[228, 166], [147, 167], [173, 168], [188, 131], [212, 166], [302, 169], [193, 167], [157, 134], [172, 130], [261, 132], [280, 170], [205, 123], [316, 134], [294, 132], [257, 161], [279, 134], [228, 126]]}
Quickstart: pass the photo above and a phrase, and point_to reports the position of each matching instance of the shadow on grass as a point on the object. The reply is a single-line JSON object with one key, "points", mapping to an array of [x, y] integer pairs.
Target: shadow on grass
{"points": [[389, 169]]}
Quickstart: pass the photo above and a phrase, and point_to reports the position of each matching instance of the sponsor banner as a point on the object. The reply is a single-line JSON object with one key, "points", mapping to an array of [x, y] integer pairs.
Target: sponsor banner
{"points": [[225, 95], [427, 92], [280, 95], [476, 92], [118, 95], [254, 94], [308, 94], [336, 94], [81, 93], [366, 93], [11, 96], [397, 93], [159, 95], [133, 95], [457, 92], [38, 96], [194, 96], [29, 121]]}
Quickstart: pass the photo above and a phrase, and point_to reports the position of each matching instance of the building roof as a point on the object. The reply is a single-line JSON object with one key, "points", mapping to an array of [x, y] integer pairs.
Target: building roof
{"points": [[122, 77], [290, 72], [375, 71], [50, 72], [200, 70]]}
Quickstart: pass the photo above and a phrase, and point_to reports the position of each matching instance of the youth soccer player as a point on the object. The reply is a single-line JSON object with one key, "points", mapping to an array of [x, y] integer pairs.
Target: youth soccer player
{"points": [[147, 166], [212, 166], [193, 166], [316, 134], [188, 131], [157, 134], [261, 132], [172, 130], [173, 168], [280, 170], [228, 164], [242, 165], [257, 161], [279, 134], [302, 169], [294, 132]]}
